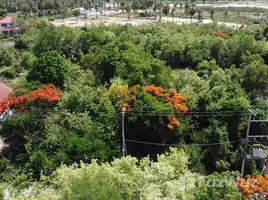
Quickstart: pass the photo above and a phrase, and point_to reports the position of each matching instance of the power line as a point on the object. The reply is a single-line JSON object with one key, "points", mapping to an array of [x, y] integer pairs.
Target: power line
{"points": [[133, 112], [179, 145], [205, 108], [132, 109], [161, 144]]}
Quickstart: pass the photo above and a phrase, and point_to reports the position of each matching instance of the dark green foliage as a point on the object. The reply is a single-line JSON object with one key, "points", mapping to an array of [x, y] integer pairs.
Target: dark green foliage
{"points": [[50, 67]]}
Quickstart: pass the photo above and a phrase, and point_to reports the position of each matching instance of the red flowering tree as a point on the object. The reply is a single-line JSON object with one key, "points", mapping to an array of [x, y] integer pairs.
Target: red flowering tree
{"points": [[48, 93]]}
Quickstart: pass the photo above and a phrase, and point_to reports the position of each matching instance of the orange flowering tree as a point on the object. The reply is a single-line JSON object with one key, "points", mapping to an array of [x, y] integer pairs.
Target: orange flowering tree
{"points": [[198, 30], [171, 97], [151, 113], [254, 188], [47, 93], [221, 34], [175, 101]]}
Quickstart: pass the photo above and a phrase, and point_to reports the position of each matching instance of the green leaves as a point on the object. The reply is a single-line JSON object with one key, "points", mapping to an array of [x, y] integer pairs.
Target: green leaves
{"points": [[50, 67], [255, 77]]}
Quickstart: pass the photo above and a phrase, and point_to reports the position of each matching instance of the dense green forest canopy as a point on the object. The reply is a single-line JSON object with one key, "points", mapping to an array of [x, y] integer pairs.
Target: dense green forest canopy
{"points": [[187, 86]]}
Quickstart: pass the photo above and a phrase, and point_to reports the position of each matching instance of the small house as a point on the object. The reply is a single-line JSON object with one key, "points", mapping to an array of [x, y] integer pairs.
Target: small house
{"points": [[8, 26]]}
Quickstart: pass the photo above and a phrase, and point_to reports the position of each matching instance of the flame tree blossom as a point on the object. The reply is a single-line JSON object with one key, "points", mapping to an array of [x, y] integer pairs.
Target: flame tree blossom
{"points": [[48, 93]]}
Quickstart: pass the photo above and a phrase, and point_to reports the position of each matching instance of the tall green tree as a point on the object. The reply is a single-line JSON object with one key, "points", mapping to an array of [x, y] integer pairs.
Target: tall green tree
{"points": [[50, 67]]}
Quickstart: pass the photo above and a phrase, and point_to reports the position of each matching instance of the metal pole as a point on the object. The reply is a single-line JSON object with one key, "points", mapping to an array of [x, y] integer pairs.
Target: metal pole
{"points": [[124, 152], [246, 145]]}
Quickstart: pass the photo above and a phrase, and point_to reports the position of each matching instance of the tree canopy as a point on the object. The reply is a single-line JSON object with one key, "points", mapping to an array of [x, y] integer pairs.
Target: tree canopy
{"points": [[77, 90]]}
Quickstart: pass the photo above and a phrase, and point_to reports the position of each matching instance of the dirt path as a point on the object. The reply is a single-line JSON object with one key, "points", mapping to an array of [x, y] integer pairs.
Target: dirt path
{"points": [[72, 22]]}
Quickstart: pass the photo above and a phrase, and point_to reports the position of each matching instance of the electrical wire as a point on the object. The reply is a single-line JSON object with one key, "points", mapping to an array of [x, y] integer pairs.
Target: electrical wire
{"points": [[146, 113], [161, 144], [132, 109], [176, 145]]}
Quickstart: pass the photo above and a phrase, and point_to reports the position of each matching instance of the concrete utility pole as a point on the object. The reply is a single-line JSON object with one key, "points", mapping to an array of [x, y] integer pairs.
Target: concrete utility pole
{"points": [[246, 145], [124, 149]]}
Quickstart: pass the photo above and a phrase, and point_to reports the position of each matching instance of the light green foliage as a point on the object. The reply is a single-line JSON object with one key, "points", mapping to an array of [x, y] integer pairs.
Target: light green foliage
{"points": [[211, 86], [178, 159], [168, 178], [223, 87], [9, 63], [63, 11], [92, 181], [191, 85], [128, 178], [255, 74], [8, 57]]}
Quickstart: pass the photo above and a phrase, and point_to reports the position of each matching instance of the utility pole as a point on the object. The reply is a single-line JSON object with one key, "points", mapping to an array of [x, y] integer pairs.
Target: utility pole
{"points": [[124, 149], [246, 145], [258, 152]]}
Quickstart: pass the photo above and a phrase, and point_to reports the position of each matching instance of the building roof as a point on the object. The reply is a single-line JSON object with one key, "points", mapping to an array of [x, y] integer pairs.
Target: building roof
{"points": [[7, 20], [4, 91]]}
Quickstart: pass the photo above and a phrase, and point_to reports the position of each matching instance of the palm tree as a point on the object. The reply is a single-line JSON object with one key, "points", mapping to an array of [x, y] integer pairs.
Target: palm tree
{"points": [[122, 5], [96, 8], [212, 13], [238, 13], [76, 13], [128, 9], [165, 10], [199, 12], [204, 1], [173, 12], [186, 9], [192, 11]]}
